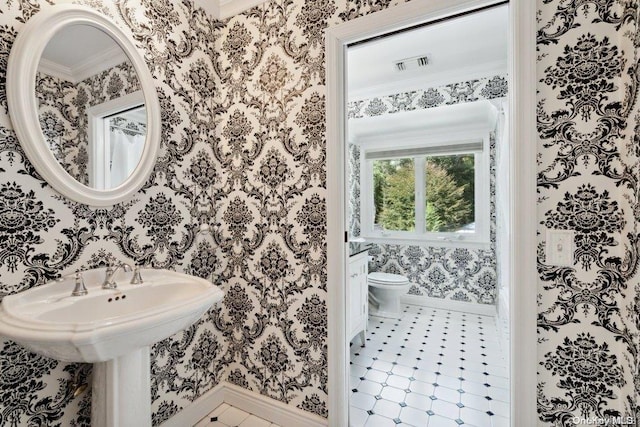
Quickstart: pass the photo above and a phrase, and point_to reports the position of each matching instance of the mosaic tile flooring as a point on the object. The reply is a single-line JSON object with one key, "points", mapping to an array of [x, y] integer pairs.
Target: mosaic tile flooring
{"points": [[432, 368]]}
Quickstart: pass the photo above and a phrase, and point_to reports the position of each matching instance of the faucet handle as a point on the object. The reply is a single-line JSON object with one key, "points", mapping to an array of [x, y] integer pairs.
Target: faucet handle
{"points": [[119, 264], [79, 288], [106, 284], [136, 279]]}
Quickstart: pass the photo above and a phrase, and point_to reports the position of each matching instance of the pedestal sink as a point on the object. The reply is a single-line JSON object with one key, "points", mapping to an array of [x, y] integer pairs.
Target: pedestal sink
{"points": [[112, 328]]}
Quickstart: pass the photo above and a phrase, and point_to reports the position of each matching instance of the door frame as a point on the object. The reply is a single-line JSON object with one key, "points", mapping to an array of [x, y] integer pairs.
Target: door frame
{"points": [[523, 139]]}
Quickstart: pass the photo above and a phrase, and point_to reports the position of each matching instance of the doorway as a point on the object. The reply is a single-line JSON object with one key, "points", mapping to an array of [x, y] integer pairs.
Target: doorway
{"points": [[522, 189], [427, 142]]}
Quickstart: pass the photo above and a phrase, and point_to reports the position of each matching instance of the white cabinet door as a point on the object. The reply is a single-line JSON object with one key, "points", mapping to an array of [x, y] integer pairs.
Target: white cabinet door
{"points": [[357, 295]]}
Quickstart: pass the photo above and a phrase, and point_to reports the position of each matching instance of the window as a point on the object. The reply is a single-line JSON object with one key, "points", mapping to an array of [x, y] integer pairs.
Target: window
{"points": [[435, 192]]}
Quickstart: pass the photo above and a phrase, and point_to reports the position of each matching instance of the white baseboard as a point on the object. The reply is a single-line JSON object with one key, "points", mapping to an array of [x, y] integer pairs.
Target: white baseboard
{"points": [[198, 409], [270, 409], [249, 401], [446, 304]]}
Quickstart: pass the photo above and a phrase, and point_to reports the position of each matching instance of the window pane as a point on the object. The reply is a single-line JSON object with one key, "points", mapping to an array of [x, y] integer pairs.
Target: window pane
{"points": [[394, 195], [450, 193]]}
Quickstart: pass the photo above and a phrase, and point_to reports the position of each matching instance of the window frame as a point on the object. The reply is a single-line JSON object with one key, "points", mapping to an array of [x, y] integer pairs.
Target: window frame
{"points": [[480, 239]]}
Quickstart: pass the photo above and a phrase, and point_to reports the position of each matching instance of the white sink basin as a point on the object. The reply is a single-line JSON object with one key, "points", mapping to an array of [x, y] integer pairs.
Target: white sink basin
{"points": [[105, 324], [112, 328]]}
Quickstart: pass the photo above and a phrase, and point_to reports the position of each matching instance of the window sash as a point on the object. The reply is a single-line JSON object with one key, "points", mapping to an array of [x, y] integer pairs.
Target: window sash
{"points": [[420, 235]]}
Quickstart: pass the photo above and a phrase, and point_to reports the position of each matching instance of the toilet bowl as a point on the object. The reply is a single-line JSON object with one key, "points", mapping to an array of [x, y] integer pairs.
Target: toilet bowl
{"points": [[385, 290]]}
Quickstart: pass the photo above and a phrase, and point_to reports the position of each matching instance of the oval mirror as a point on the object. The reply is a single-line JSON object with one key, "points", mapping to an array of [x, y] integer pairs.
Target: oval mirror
{"points": [[83, 105]]}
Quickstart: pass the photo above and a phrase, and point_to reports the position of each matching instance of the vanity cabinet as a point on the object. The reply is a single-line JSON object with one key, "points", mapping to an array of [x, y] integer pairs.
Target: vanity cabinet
{"points": [[358, 296]]}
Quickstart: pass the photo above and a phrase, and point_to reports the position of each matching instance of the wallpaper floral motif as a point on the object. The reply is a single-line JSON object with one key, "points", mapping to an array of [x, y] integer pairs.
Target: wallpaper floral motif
{"points": [[243, 139], [63, 112], [494, 87], [459, 274], [588, 182], [45, 236]]}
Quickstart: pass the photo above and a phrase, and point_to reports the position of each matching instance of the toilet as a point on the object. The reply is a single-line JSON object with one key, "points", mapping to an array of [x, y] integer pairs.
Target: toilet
{"points": [[385, 290]]}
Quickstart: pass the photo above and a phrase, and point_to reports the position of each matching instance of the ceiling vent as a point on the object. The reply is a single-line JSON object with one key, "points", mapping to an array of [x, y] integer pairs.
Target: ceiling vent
{"points": [[411, 63]]}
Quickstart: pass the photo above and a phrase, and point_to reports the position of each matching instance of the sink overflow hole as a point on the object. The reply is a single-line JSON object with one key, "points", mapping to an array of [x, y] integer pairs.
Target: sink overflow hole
{"points": [[117, 298]]}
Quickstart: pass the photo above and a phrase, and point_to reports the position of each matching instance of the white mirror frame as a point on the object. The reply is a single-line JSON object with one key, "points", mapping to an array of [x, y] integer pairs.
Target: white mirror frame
{"points": [[23, 107]]}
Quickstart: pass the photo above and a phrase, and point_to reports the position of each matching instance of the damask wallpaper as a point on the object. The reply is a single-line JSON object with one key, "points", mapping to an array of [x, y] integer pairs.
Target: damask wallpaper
{"points": [[44, 235], [454, 93], [588, 182], [459, 274], [243, 150], [63, 112]]}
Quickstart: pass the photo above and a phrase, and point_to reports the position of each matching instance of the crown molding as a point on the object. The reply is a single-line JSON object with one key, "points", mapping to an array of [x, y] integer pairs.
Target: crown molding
{"points": [[54, 69], [229, 8], [223, 9], [93, 65]]}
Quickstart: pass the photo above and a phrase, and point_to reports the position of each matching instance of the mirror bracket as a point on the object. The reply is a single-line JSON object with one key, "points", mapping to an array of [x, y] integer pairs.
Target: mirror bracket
{"points": [[23, 106]]}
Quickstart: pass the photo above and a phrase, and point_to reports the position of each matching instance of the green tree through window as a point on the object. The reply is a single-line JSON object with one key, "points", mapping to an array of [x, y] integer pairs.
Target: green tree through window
{"points": [[395, 197], [449, 193]]}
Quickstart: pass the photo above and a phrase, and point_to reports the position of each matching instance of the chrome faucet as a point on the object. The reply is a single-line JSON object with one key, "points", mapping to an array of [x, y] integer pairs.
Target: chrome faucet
{"points": [[136, 279], [109, 283], [79, 289]]}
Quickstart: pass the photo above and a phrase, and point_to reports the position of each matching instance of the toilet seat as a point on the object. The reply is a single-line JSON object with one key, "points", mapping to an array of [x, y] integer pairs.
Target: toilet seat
{"points": [[378, 279]]}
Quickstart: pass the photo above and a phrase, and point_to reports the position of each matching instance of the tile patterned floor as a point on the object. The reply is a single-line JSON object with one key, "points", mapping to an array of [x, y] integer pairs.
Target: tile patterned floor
{"points": [[229, 416], [432, 368]]}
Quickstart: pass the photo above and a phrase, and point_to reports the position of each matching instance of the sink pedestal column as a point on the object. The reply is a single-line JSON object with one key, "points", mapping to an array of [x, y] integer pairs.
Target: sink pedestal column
{"points": [[122, 391]]}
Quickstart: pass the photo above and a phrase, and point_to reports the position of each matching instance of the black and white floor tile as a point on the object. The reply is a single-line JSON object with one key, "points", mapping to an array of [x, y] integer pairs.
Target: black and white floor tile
{"points": [[226, 415], [431, 368]]}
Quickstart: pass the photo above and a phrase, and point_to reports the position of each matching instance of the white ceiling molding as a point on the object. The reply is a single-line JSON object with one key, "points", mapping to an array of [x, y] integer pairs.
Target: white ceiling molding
{"points": [[423, 124], [223, 9], [90, 67], [229, 8], [54, 69]]}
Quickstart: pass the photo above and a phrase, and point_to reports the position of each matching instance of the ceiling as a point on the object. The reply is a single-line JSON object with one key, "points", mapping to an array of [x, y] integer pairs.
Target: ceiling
{"points": [[71, 45], [471, 46], [222, 9], [79, 51]]}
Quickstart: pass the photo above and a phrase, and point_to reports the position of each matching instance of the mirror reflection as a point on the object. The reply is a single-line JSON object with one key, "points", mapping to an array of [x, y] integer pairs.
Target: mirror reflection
{"points": [[91, 107]]}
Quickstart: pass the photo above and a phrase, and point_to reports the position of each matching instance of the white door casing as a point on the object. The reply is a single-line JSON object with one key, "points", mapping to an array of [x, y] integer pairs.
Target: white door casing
{"points": [[522, 63]]}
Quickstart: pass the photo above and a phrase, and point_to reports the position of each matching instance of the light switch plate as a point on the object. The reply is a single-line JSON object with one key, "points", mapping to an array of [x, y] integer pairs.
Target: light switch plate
{"points": [[560, 244]]}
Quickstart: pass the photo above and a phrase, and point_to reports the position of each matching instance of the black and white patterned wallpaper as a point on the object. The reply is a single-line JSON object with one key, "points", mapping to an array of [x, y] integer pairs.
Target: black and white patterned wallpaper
{"points": [[243, 149], [588, 181], [459, 274], [477, 89], [44, 236], [63, 112]]}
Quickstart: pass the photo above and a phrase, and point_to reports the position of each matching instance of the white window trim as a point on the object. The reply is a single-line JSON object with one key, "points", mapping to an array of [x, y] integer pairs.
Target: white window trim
{"points": [[480, 239]]}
